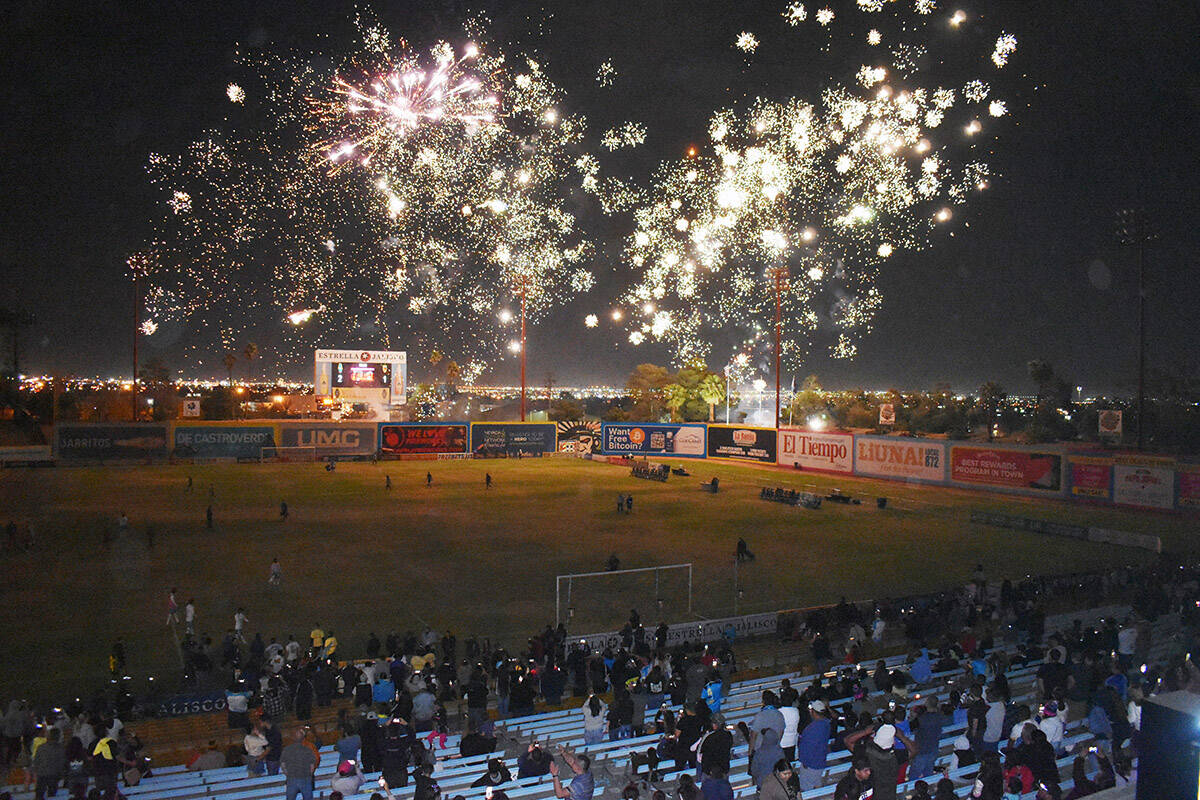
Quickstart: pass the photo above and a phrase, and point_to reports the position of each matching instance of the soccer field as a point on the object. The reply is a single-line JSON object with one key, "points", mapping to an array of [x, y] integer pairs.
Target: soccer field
{"points": [[358, 558]]}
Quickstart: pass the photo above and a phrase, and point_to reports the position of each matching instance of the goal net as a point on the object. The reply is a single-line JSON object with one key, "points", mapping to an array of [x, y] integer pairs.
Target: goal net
{"points": [[277, 455], [591, 602]]}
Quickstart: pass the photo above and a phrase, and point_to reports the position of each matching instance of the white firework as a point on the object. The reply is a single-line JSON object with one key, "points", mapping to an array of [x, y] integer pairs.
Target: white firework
{"points": [[1006, 45], [747, 42], [795, 14], [235, 93]]}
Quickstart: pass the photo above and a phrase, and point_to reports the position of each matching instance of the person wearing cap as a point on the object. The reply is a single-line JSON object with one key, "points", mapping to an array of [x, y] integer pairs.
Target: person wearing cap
{"points": [[812, 746], [881, 754], [1051, 724], [856, 784], [715, 749], [348, 778]]}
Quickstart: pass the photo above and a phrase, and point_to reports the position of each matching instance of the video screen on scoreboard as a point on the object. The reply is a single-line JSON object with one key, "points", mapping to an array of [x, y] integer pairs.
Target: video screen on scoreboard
{"points": [[356, 375]]}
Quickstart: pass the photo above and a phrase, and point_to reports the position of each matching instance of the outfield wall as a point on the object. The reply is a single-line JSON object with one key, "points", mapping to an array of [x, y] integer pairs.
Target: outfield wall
{"points": [[1066, 472]]}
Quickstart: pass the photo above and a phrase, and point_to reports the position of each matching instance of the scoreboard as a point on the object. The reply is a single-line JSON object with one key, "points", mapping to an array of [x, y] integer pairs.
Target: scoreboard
{"points": [[361, 376]]}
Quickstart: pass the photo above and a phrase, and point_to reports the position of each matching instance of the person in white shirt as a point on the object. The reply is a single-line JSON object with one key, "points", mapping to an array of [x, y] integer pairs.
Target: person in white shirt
{"points": [[1127, 644], [1052, 725], [256, 746], [189, 616], [292, 650], [791, 731], [239, 623]]}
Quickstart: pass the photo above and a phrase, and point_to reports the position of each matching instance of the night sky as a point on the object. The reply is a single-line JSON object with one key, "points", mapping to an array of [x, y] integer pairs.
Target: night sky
{"points": [[1106, 118]]}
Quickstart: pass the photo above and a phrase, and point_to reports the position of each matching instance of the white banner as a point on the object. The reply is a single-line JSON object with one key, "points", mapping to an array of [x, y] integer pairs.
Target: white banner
{"points": [[1144, 486], [709, 630], [831, 452], [896, 457]]}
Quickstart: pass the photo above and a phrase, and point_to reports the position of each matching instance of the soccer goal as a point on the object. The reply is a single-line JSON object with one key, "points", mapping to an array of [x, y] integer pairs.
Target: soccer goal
{"points": [[603, 598], [278, 455]]}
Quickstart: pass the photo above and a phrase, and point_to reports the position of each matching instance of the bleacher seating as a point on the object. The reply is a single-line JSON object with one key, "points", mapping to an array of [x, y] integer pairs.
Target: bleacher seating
{"points": [[611, 761]]}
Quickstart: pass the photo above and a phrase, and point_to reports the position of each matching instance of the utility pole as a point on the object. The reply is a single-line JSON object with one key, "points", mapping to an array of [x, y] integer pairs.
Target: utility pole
{"points": [[523, 292], [549, 392]]}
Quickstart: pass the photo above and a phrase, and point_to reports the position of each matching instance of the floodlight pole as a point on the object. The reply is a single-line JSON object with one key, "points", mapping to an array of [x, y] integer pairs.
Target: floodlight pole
{"points": [[780, 273], [136, 323], [523, 292]]}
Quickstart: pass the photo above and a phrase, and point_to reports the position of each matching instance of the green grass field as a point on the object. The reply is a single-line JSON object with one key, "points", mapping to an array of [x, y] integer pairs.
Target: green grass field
{"points": [[358, 558]]}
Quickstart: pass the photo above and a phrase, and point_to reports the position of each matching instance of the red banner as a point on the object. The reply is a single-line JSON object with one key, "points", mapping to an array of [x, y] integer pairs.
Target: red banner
{"points": [[414, 439], [1091, 477], [1016, 469], [1189, 487]]}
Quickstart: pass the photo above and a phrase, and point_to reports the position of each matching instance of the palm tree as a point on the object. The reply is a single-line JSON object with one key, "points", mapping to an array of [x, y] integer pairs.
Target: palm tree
{"points": [[677, 397], [230, 361], [712, 391], [250, 352]]}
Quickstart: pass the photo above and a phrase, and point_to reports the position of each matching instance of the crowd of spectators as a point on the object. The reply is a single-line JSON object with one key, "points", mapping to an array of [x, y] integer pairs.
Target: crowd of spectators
{"points": [[403, 687]]}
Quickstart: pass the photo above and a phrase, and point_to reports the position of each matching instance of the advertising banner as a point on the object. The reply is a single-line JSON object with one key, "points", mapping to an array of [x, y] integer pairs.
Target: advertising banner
{"points": [[330, 440], [1144, 485], [1011, 469], [1189, 486], [33, 454], [193, 703], [1091, 477], [234, 442], [746, 444], [686, 440], [895, 457], [115, 442], [417, 438], [578, 436], [692, 632], [512, 439], [830, 452]]}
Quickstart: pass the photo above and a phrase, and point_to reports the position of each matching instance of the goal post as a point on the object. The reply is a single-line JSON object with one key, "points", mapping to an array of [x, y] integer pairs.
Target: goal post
{"points": [[279, 455], [561, 600]]}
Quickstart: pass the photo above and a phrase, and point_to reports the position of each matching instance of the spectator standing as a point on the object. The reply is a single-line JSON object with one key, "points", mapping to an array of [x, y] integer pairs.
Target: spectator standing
{"points": [[594, 715], [776, 785], [256, 745], [49, 764], [299, 765], [812, 746]]}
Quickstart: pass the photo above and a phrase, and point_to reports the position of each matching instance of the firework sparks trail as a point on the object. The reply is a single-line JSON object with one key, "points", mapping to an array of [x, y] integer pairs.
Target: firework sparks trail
{"points": [[814, 196], [382, 195]]}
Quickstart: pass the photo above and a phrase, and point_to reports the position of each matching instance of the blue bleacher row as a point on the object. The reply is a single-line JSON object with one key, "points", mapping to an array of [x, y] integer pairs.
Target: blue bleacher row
{"points": [[611, 761]]}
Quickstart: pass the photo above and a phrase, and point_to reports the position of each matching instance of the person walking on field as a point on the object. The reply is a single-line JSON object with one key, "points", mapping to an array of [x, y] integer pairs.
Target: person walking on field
{"points": [[428, 479], [239, 623], [189, 484], [208, 522], [487, 480], [387, 482], [276, 574], [283, 511], [172, 608]]}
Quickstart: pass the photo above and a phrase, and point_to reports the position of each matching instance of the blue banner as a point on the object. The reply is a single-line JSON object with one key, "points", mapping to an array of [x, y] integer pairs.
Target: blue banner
{"points": [[241, 442], [684, 440], [512, 439], [194, 703], [330, 439], [116, 442]]}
